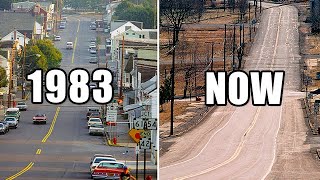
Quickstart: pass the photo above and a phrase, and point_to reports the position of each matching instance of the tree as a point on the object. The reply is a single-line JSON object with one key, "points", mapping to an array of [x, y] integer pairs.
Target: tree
{"points": [[174, 13], [32, 61], [3, 77], [5, 4], [52, 54], [243, 7], [136, 12]]}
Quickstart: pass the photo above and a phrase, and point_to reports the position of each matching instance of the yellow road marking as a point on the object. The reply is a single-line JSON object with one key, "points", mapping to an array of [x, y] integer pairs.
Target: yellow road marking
{"points": [[52, 126], [21, 172], [75, 43], [38, 151], [233, 157]]}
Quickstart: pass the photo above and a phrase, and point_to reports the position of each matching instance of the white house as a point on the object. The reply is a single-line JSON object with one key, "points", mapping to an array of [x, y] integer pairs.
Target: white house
{"points": [[19, 37], [123, 28]]}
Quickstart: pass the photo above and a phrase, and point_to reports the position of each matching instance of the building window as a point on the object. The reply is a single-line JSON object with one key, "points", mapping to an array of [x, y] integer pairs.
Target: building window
{"points": [[133, 34], [139, 36], [143, 36], [127, 33]]}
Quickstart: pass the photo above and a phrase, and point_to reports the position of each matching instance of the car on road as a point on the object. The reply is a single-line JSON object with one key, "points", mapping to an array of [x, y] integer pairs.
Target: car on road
{"points": [[22, 106], [92, 85], [62, 26], [57, 38], [13, 112], [93, 40], [96, 129], [95, 162], [93, 27], [99, 155], [91, 110], [93, 60], [93, 121], [12, 121], [108, 170], [93, 51], [69, 45], [95, 115], [39, 118], [6, 125]]}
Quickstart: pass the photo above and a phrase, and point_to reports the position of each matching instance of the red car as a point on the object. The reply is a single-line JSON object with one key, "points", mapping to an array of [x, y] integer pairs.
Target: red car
{"points": [[40, 118], [108, 170]]}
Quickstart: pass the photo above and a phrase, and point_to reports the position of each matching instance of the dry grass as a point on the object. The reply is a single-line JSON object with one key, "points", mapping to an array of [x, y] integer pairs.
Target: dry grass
{"points": [[313, 42], [179, 108]]}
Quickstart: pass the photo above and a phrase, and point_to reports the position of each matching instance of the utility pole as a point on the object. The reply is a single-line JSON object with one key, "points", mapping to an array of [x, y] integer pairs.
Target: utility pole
{"points": [[23, 66], [212, 56], [260, 7], [233, 45], [224, 47], [172, 79], [121, 75], [12, 57]]}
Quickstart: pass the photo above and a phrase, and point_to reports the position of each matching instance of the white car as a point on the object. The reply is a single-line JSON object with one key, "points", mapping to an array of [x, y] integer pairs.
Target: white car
{"points": [[98, 159], [69, 45], [92, 121], [93, 51], [22, 106], [57, 38], [96, 129], [12, 121]]}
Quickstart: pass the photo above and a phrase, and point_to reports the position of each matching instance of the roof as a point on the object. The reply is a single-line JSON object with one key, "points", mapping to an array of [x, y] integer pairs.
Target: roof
{"points": [[22, 6], [118, 23], [15, 20]]}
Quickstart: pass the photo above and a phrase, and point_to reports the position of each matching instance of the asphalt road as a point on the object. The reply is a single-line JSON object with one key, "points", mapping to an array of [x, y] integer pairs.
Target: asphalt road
{"points": [[243, 142], [66, 152]]}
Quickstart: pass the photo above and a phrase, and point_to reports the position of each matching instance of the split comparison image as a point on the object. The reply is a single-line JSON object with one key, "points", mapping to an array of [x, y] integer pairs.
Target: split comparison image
{"points": [[159, 89]]}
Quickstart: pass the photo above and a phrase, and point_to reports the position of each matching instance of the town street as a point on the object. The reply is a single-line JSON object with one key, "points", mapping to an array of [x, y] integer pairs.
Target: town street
{"points": [[36, 152]]}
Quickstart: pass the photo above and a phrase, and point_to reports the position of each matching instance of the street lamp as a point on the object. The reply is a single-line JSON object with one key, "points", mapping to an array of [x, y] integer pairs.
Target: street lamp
{"points": [[23, 72]]}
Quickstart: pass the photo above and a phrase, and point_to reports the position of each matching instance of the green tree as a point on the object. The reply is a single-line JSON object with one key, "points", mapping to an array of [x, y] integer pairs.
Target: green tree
{"points": [[34, 62], [143, 12], [3, 77], [52, 54]]}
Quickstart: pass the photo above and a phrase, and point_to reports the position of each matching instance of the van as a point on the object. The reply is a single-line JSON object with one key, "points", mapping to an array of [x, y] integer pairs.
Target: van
{"points": [[13, 112], [69, 45]]}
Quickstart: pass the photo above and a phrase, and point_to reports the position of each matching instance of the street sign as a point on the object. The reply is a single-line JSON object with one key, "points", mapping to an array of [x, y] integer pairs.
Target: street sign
{"points": [[145, 143], [145, 114], [138, 123], [112, 115], [151, 124], [145, 134]]}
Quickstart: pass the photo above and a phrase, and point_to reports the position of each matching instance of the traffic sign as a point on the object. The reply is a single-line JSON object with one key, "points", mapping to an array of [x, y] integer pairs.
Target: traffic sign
{"points": [[151, 124], [145, 134], [138, 123], [145, 143], [145, 114]]}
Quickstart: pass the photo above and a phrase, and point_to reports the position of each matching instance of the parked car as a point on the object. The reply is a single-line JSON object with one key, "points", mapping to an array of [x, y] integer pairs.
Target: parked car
{"points": [[95, 162], [93, 27], [108, 170], [40, 118], [96, 129], [99, 155], [57, 38], [13, 112], [93, 51], [91, 110], [3, 128], [92, 85], [69, 45], [12, 121], [93, 60], [95, 115], [6, 125], [93, 40], [62, 26], [92, 121], [22, 106]]}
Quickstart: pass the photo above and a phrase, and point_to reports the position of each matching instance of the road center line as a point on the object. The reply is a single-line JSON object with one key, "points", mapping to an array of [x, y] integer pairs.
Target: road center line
{"points": [[38, 151], [21, 172], [233, 157], [52, 125], [75, 42]]}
